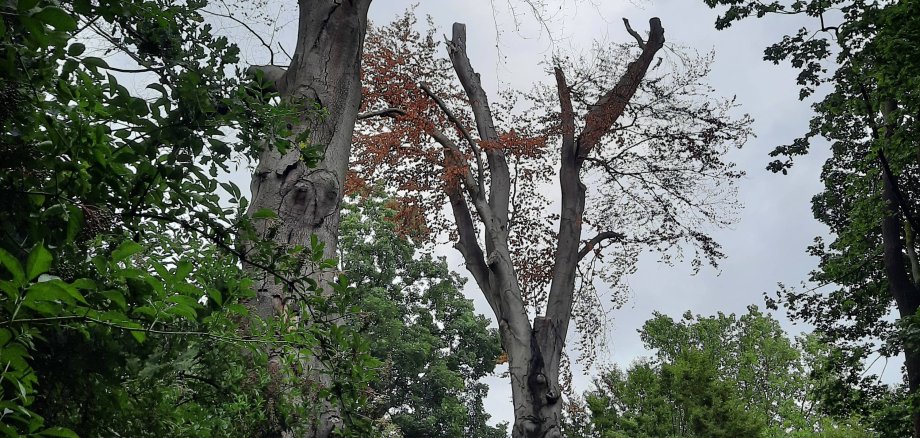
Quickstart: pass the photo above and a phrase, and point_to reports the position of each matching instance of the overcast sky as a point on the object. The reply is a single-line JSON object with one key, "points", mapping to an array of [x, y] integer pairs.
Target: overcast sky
{"points": [[765, 246]]}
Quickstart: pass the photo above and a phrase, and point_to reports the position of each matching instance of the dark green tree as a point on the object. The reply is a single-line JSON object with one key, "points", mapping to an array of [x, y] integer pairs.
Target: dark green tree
{"points": [[864, 54], [433, 346]]}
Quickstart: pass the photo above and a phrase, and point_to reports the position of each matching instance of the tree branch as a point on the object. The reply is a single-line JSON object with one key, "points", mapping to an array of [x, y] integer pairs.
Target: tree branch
{"points": [[603, 114], [387, 112], [634, 33], [229, 16], [567, 114], [500, 193], [466, 134], [598, 239]]}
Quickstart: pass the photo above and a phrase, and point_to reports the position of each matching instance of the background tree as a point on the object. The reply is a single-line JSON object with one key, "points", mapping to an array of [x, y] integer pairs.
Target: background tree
{"points": [[433, 347], [722, 375], [860, 52], [652, 158]]}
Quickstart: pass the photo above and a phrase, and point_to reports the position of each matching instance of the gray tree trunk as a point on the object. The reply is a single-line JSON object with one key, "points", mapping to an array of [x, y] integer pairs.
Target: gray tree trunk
{"points": [[325, 70]]}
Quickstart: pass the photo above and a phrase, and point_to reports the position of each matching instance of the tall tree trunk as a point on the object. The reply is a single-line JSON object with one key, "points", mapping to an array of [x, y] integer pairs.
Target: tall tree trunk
{"points": [[902, 289], [325, 70], [900, 284]]}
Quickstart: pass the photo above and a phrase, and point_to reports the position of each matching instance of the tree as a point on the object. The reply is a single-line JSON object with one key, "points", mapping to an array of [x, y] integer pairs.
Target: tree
{"points": [[324, 72], [721, 375], [860, 52], [121, 284], [433, 347], [653, 157]]}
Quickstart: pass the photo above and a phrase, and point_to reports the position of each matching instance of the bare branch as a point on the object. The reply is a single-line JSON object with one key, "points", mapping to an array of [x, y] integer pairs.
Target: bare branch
{"points": [[468, 245], [466, 134], [634, 33], [385, 112], [500, 192], [567, 114], [597, 240], [455, 158], [611, 105]]}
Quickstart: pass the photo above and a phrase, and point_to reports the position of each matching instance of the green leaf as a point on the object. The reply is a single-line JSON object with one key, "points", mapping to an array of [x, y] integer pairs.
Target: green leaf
{"points": [[39, 262], [25, 5], [183, 311], [116, 297], [59, 432], [125, 250], [57, 18], [12, 266], [183, 269], [94, 62], [76, 49], [216, 296], [84, 284], [139, 335], [47, 291], [265, 213], [74, 222]]}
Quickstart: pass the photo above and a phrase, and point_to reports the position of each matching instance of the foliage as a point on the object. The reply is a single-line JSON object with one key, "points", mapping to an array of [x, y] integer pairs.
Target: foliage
{"points": [[123, 290], [714, 376], [434, 348], [860, 52]]}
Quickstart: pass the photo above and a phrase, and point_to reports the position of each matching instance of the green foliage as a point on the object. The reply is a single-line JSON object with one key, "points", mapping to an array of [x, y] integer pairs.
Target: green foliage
{"points": [[434, 348], [719, 376], [863, 53], [122, 308]]}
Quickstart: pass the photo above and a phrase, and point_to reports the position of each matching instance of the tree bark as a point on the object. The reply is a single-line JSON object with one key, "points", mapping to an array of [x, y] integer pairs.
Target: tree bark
{"points": [[325, 70], [534, 350], [902, 289], [900, 284]]}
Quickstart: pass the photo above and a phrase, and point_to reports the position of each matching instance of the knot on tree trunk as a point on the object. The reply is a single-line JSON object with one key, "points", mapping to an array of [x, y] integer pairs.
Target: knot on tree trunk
{"points": [[313, 195]]}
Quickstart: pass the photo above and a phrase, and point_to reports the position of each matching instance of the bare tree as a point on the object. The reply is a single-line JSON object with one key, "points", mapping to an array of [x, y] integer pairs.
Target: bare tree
{"points": [[444, 145]]}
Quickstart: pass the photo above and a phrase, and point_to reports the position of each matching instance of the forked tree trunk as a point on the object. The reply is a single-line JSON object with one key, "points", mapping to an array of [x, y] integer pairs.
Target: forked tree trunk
{"points": [[325, 70], [534, 350]]}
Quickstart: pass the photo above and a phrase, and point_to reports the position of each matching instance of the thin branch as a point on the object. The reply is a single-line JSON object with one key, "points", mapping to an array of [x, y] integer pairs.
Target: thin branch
{"points": [[386, 112], [223, 338], [134, 70], [271, 53], [634, 33], [466, 133]]}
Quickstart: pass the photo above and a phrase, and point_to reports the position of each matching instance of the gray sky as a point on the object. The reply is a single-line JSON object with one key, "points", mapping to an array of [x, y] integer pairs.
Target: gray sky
{"points": [[766, 245]]}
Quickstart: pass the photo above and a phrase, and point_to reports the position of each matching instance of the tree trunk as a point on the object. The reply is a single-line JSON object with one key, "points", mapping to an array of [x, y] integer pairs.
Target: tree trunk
{"points": [[325, 70], [902, 289]]}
